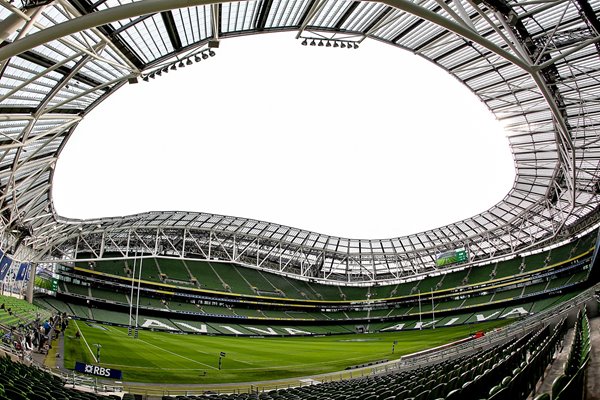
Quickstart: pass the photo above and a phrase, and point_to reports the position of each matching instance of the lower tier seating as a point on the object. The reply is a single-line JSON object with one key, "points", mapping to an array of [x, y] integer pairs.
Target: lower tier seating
{"points": [[21, 382]]}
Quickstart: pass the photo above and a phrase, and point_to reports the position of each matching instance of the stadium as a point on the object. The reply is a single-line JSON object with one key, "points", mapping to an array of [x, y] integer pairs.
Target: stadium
{"points": [[194, 305]]}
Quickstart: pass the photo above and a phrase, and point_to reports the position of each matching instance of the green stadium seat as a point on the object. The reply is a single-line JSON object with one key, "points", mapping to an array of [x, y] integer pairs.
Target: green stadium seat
{"points": [[40, 396], [454, 395], [542, 396], [424, 395], [558, 385], [500, 394], [15, 394]]}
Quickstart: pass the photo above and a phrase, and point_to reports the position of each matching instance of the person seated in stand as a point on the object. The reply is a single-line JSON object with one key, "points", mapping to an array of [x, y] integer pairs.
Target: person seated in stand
{"points": [[6, 338]]}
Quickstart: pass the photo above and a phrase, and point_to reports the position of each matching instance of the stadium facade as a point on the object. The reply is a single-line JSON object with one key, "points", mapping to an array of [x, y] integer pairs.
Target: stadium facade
{"points": [[535, 64]]}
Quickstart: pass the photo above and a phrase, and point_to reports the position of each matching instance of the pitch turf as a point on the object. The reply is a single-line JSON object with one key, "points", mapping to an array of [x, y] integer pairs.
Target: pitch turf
{"points": [[170, 358]]}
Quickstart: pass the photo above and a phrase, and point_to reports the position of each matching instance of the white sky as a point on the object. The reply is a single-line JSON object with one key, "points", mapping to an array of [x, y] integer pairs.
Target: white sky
{"points": [[367, 143]]}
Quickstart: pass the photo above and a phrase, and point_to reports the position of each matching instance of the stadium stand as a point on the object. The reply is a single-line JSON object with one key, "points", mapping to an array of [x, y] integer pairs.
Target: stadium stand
{"points": [[204, 275], [479, 274], [14, 311], [110, 295], [233, 279], [404, 318], [84, 292], [563, 270], [107, 266], [174, 270]]}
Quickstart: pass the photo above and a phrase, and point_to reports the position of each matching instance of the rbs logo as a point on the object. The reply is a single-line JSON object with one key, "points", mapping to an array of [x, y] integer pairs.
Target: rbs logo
{"points": [[102, 371], [98, 370]]}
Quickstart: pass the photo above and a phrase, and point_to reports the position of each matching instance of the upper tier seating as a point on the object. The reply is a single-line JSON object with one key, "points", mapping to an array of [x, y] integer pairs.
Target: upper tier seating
{"points": [[225, 277]]}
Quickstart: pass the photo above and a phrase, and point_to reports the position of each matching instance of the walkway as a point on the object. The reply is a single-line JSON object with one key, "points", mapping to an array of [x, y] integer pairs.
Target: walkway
{"points": [[556, 368], [593, 371]]}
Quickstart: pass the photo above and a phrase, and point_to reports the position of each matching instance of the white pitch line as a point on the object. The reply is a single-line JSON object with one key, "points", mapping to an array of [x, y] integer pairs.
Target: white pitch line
{"points": [[240, 361], [228, 357], [170, 352], [85, 341], [153, 367]]}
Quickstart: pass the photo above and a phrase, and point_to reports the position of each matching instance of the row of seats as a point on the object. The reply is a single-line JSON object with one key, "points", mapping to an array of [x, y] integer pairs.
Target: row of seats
{"points": [[21, 382], [501, 372], [521, 382], [571, 384], [14, 312]]}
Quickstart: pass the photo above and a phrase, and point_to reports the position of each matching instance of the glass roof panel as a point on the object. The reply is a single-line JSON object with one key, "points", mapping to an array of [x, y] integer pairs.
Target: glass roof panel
{"points": [[238, 16], [193, 24], [286, 13], [330, 13]]}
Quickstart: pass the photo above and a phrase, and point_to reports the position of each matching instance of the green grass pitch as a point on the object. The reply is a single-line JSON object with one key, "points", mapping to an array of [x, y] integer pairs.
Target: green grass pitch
{"points": [[170, 358]]}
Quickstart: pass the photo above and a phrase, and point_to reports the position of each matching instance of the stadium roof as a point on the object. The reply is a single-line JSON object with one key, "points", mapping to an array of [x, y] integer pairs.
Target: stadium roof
{"points": [[534, 63]]}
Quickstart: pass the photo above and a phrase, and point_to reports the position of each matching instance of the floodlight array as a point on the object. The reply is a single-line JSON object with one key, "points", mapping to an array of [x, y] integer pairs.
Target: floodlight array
{"points": [[180, 63], [343, 44]]}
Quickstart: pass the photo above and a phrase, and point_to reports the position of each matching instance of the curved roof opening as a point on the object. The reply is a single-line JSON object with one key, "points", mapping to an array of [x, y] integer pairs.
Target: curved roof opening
{"points": [[366, 143]]}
